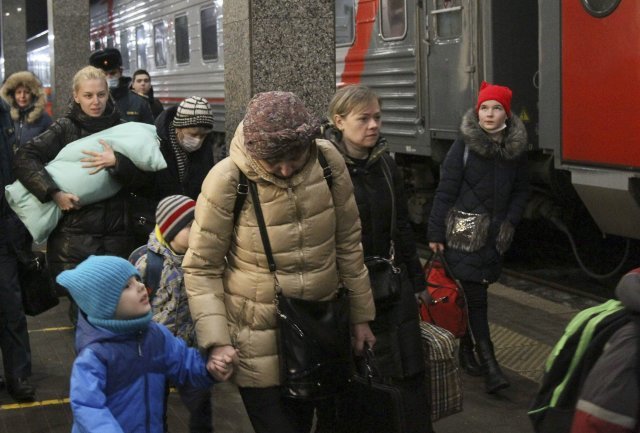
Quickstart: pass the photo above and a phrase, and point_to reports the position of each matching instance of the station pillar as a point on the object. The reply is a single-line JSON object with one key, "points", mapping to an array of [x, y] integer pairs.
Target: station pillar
{"points": [[69, 52], [284, 45], [14, 36]]}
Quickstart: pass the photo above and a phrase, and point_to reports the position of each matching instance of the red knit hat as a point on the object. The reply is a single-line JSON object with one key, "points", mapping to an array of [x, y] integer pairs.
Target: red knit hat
{"points": [[491, 92]]}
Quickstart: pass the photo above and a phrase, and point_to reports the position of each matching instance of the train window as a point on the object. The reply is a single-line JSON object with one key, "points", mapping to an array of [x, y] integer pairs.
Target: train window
{"points": [[393, 14], [141, 47], [124, 49], [345, 21], [181, 29], [209, 33], [448, 19], [160, 44], [600, 8]]}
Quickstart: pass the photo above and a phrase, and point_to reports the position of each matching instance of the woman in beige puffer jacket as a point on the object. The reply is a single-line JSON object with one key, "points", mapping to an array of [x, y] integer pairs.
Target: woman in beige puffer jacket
{"points": [[314, 232]]}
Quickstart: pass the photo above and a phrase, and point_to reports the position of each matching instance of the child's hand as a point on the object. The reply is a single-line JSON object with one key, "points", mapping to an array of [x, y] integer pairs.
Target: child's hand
{"points": [[221, 362]]}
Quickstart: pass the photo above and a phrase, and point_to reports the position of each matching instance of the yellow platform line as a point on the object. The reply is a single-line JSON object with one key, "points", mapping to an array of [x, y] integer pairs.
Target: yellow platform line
{"points": [[53, 402], [59, 328]]}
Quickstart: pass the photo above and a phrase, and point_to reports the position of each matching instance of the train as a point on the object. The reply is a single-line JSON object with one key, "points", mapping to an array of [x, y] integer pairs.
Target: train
{"points": [[573, 65]]}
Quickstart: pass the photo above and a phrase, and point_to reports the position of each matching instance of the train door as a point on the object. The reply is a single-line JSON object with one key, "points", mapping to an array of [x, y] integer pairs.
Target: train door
{"points": [[450, 64]]}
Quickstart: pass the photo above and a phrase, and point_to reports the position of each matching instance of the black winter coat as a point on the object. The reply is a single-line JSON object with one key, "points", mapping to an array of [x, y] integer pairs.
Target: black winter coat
{"points": [[132, 107], [398, 346], [493, 180], [167, 182], [99, 228]]}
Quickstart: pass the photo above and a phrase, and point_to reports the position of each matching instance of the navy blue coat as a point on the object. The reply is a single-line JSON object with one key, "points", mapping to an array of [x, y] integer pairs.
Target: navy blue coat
{"points": [[493, 180]]}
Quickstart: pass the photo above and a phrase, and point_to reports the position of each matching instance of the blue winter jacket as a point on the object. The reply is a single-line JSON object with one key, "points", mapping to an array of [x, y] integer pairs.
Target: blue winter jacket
{"points": [[118, 380]]}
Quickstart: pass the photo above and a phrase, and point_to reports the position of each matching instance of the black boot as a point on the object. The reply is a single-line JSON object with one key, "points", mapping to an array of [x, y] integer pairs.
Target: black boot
{"points": [[494, 378], [467, 357], [21, 390]]}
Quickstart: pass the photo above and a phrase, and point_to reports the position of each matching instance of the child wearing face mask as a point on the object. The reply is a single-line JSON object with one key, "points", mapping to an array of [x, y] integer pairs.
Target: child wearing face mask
{"points": [[169, 303], [190, 147]]}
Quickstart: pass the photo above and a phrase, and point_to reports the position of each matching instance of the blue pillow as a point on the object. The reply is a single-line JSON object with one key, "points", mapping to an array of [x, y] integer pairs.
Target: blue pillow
{"points": [[137, 141]]}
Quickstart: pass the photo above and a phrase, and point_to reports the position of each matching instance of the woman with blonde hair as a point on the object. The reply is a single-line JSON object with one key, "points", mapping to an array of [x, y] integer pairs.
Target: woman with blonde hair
{"points": [[99, 228], [355, 119], [24, 93]]}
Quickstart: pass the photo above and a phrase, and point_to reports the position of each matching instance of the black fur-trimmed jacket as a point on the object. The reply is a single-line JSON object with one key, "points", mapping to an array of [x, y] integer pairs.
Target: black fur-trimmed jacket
{"points": [[99, 228], [493, 180], [396, 327]]}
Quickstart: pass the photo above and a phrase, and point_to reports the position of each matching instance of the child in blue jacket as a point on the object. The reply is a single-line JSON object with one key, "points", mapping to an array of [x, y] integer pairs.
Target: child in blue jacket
{"points": [[124, 358]]}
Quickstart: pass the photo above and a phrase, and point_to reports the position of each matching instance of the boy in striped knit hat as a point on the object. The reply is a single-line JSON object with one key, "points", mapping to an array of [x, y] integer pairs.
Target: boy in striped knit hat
{"points": [[169, 241]]}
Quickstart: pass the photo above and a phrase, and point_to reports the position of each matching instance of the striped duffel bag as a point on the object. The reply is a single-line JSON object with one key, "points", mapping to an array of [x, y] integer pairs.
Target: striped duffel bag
{"points": [[442, 367]]}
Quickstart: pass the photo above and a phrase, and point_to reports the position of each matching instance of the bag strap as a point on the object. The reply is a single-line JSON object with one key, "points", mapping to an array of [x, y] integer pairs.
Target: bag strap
{"points": [[153, 272], [387, 176], [264, 235]]}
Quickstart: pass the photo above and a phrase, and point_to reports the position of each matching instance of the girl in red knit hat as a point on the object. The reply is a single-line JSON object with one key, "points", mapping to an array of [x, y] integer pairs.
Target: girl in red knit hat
{"points": [[481, 196]]}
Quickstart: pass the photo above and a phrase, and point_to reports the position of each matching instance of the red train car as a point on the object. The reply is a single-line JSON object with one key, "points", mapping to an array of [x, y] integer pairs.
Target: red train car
{"points": [[589, 86]]}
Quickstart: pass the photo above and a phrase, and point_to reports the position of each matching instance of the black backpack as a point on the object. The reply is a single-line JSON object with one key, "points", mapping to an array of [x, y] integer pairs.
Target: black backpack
{"points": [[569, 363]]}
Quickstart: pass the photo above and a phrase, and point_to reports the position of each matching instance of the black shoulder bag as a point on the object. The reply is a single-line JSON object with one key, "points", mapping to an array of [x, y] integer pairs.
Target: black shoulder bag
{"points": [[314, 339], [386, 278]]}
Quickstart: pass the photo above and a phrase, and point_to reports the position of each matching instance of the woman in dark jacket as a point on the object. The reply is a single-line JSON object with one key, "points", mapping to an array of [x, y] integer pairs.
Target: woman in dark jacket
{"points": [[99, 228], [189, 147], [481, 197], [25, 95], [355, 119]]}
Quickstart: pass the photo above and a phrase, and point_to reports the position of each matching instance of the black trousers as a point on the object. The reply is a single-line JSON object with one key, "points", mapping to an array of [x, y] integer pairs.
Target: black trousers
{"points": [[269, 412], [476, 294], [14, 338]]}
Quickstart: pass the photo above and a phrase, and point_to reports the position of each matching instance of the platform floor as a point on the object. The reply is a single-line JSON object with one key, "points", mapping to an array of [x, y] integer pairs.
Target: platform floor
{"points": [[525, 323]]}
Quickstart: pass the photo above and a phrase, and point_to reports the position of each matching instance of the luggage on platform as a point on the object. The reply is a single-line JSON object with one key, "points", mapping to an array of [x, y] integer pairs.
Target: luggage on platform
{"points": [[443, 371]]}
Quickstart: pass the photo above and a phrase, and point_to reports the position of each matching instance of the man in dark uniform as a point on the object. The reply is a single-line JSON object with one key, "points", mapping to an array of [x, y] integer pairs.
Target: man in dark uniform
{"points": [[14, 337], [132, 107]]}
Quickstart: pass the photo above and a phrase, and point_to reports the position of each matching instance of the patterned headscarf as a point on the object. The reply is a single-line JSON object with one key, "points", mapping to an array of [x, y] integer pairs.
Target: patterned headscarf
{"points": [[276, 124]]}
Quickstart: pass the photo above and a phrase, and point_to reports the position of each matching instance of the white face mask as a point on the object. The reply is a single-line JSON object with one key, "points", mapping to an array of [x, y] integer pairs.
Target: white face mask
{"points": [[190, 144], [113, 82]]}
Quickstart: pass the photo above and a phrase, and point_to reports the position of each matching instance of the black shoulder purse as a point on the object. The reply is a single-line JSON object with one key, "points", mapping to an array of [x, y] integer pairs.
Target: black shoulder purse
{"points": [[314, 340], [386, 278], [36, 285]]}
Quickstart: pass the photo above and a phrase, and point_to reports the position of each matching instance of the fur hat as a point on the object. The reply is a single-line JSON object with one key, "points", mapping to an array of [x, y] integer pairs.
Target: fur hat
{"points": [[193, 112], [493, 92], [31, 82], [96, 285], [173, 214], [106, 59], [277, 123]]}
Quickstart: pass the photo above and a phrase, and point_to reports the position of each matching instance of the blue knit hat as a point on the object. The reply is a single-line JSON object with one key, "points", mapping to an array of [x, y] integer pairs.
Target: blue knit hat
{"points": [[96, 285]]}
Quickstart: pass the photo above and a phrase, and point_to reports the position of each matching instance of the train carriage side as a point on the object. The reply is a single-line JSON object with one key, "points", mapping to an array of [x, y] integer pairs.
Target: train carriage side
{"points": [[178, 42], [375, 46], [589, 75]]}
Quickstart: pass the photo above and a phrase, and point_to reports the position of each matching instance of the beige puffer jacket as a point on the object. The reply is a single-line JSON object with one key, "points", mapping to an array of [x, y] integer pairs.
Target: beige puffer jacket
{"points": [[315, 237]]}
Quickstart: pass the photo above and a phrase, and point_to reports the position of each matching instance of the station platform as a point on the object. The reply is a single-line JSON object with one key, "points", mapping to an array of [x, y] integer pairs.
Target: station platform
{"points": [[526, 322]]}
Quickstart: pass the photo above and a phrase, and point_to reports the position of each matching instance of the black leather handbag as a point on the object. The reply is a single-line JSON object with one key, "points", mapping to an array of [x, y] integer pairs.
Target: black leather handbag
{"points": [[386, 278], [38, 292], [314, 339], [371, 406]]}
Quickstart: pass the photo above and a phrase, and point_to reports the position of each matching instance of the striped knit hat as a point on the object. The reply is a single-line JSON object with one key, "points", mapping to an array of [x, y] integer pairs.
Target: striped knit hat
{"points": [[193, 111], [96, 285], [173, 214]]}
